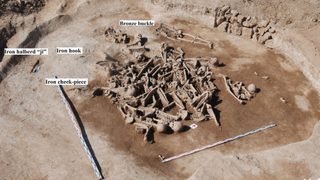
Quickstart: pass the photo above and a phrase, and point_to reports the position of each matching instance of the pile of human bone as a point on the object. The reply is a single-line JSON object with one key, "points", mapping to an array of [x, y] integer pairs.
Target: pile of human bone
{"points": [[158, 92]]}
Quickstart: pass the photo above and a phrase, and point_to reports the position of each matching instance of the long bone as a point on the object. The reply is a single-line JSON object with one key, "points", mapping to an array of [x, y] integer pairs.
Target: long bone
{"points": [[229, 88], [169, 106], [144, 69], [163, 97], [195, 38], [177, 100], [212, 115]]}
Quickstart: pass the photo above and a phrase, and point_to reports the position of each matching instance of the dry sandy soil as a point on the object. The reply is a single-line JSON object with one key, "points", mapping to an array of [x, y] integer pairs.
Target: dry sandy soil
{"points": [[38, 140]]}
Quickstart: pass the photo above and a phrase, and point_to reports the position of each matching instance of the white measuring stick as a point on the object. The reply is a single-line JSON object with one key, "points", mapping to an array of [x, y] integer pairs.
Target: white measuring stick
{"points": [[216, 144], [79, 133]]}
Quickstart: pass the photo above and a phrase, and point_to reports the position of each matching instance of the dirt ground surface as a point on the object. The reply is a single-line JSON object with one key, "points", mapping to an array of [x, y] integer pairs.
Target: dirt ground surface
{"points": [[38, 140]]}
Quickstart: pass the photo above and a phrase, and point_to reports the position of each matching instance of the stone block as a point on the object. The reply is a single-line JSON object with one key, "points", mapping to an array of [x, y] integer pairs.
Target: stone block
{"points": [[247, 32]]}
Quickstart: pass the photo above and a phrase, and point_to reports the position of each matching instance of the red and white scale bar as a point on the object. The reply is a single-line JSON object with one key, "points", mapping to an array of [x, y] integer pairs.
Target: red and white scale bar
{"points": [[79, 133], [216, 144]]}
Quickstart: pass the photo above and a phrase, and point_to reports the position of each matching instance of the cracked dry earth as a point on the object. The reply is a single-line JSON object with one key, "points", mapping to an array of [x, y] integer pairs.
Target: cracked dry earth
{"points": [[38, 140]]}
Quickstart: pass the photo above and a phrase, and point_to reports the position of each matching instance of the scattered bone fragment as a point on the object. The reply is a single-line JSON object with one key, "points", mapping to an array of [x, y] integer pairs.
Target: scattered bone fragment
{"points": [[283, 100], [137, 40], [164, 50], [154, 70], [164, 115], [140, 127], [131, 91], [212, 115], [198, 117], [213, 63], [200, 101], [183, 114], [265, 77], [115, 36], [124, 115], [201, 71], [163, 97], [168, 107], [129, 120], [108, 93], [177, 100], [147, 100], [247, 94], [256, 73], [144, 69], [181, 52], [161, 157]]}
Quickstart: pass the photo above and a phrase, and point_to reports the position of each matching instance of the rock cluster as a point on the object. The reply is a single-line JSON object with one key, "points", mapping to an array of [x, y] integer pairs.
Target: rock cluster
{"points": [[232, 21]]}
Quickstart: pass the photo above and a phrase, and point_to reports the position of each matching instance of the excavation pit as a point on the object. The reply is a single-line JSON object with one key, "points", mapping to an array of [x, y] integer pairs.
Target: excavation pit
{"points": [[34, 119], [240, 59]]}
